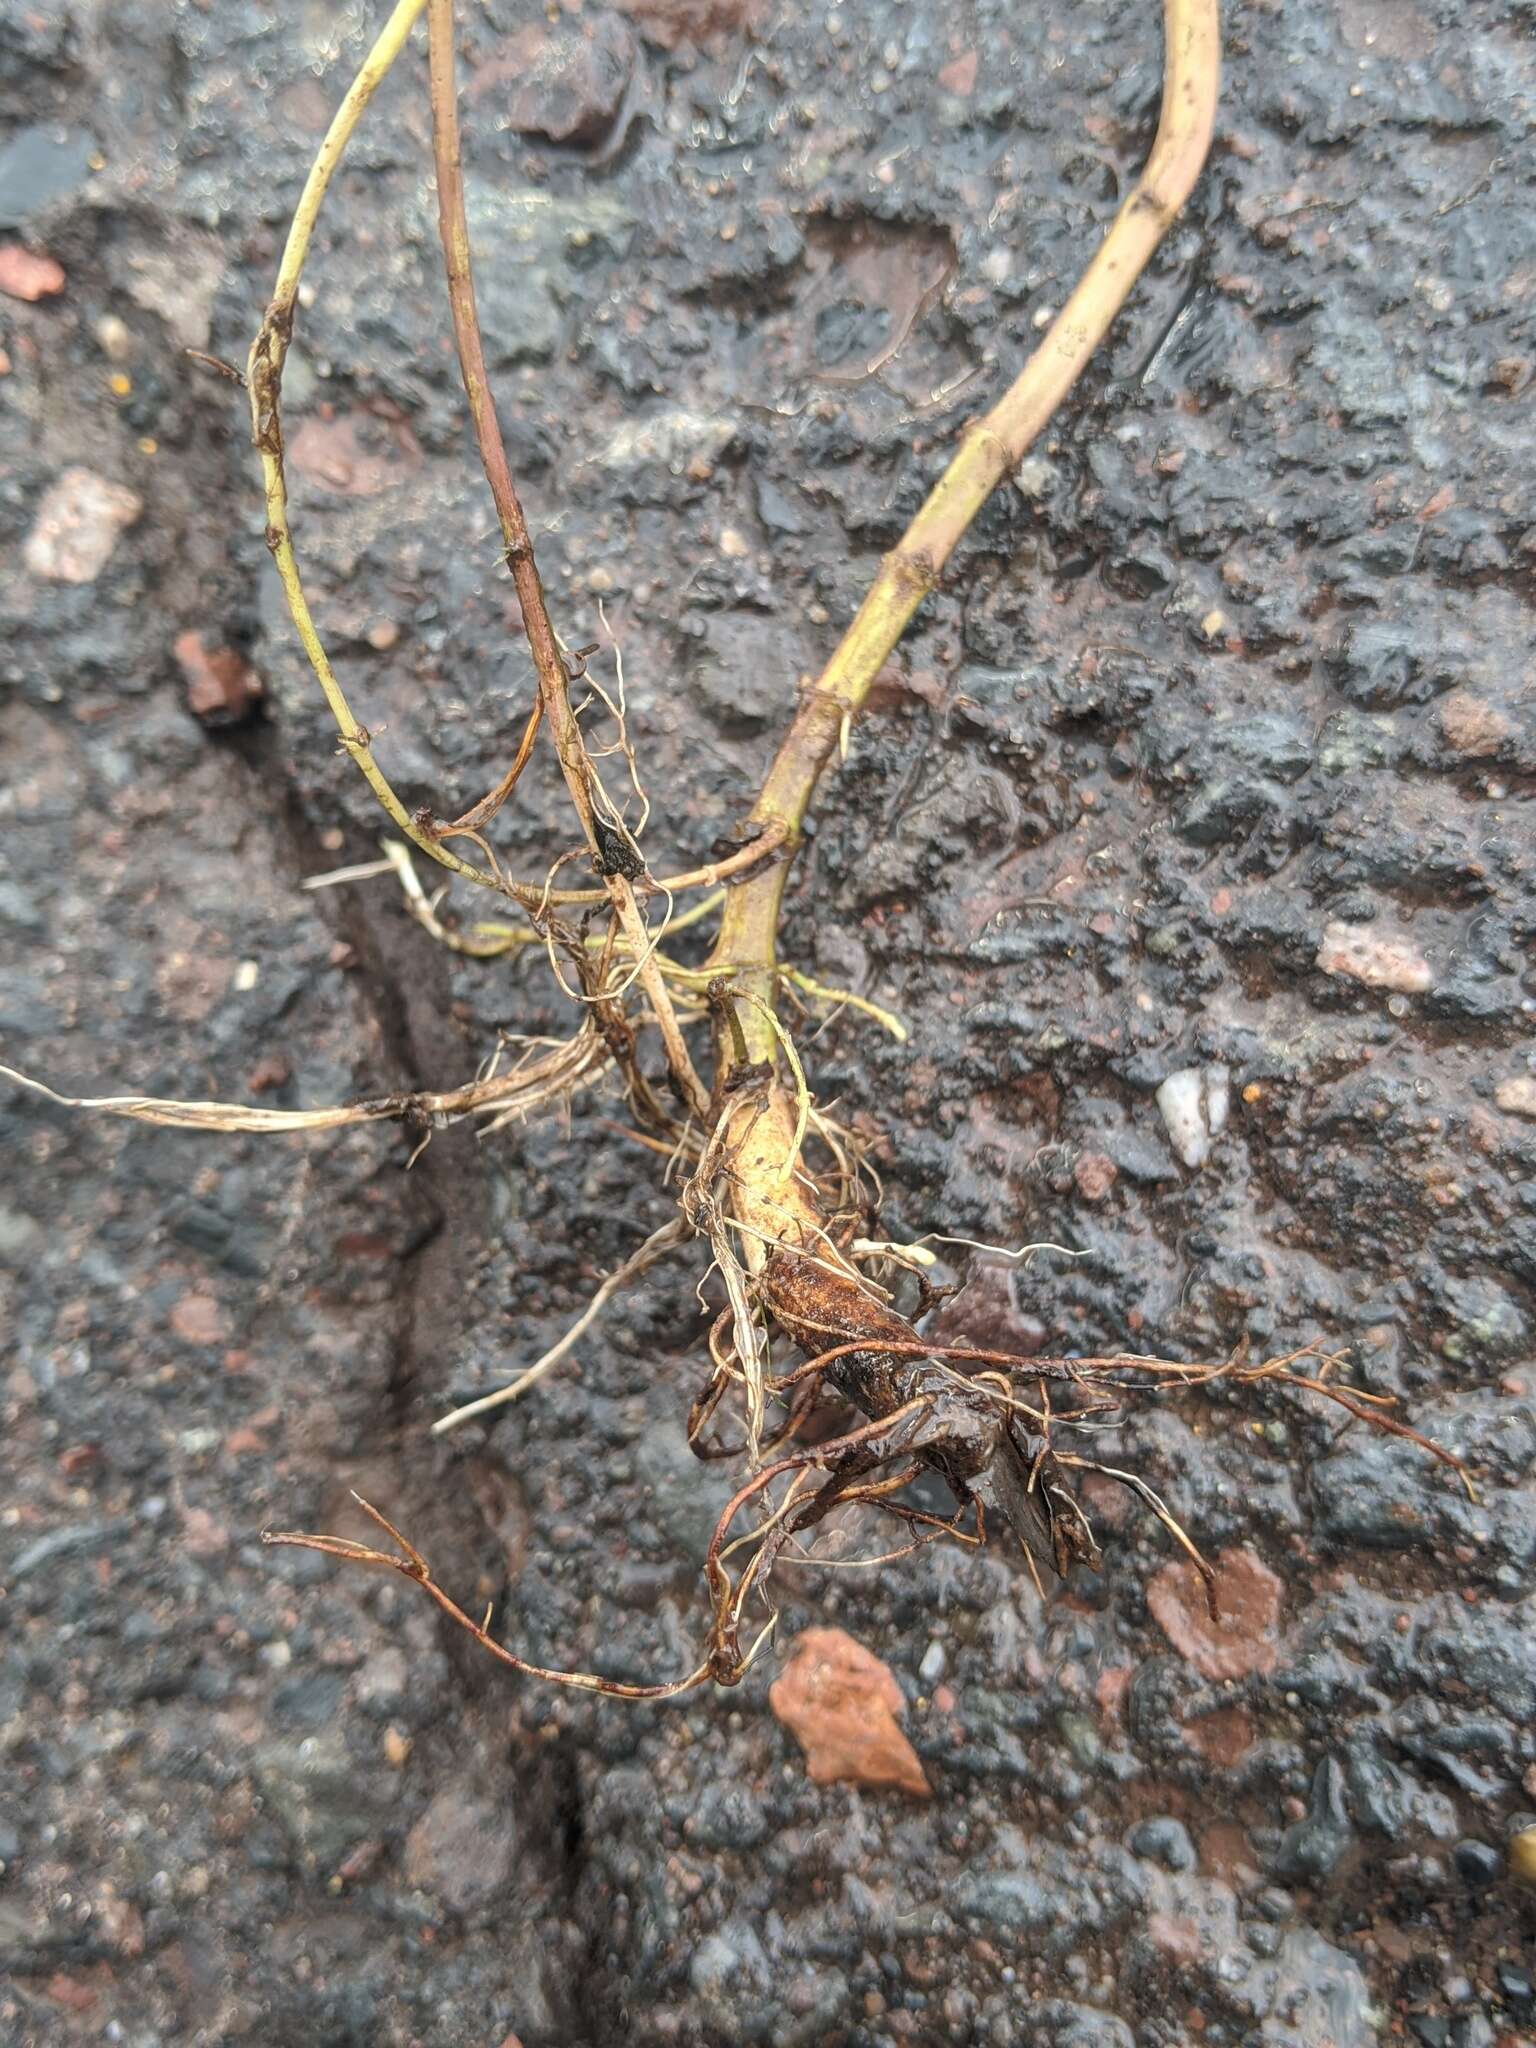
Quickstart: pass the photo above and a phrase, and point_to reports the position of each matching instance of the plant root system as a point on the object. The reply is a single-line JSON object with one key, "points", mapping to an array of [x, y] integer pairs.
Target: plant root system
{"points": [[804, 1323]]}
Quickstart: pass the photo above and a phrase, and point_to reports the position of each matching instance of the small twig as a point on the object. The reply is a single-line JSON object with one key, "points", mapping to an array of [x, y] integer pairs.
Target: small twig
{"points": [[766, 842], [760, 849], [486, 939]]}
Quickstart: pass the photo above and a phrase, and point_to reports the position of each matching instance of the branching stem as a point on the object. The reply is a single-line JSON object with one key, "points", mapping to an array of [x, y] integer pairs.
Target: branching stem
{"points": [[543, 644], [990, 449], [264, 383]]}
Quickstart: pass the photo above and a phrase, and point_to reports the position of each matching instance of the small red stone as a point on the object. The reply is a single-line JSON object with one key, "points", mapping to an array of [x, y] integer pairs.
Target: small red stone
{"points": [[28, 277], [1243, 1637], [222, 687], [840, 1703]]}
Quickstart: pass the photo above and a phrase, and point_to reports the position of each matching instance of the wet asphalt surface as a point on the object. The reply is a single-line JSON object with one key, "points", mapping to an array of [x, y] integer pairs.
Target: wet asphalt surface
{"points": [[1215, 751]]}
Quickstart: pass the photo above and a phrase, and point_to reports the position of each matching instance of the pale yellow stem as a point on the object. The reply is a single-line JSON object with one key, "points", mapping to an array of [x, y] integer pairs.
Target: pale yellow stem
{"points": [[989, 450], [264, 377]]}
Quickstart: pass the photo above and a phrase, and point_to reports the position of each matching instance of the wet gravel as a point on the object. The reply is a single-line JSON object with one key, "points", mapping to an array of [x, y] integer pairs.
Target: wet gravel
{"points": [[1215, 753]]}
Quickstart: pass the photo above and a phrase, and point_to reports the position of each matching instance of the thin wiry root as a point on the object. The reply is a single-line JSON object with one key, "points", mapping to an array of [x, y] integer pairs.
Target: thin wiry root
{"points": [[1159, 1507], [868, 1466], [843, 998], [528, 1087], [619, 712], [656, 1246], [1355, 1401], [410, 1564], [1021, 1254]]}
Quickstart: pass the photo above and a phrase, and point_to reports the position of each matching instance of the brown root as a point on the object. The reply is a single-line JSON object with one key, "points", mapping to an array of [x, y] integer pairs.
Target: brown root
{"points": [[410, 1564], [961, 1411]]}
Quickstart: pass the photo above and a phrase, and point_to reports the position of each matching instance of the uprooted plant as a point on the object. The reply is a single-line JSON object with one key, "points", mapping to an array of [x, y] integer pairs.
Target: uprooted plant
{"points": [[774, 1187]]}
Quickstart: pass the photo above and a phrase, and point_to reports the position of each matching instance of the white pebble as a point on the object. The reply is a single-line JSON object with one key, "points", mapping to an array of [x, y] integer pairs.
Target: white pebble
{"points": [[77, 526], [1517, 1095], [1194, 1106]]}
